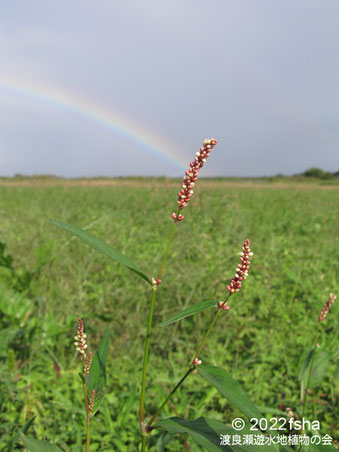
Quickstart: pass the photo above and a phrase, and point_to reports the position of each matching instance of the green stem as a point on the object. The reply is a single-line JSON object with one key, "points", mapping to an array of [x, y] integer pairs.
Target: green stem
{"points": [[207, 334], [149, 329], [210, 328], [88, 419], [167, 250], [168, 398], [309, 378], [144, 367], [143, 444], [88, 434], [307, 384]]}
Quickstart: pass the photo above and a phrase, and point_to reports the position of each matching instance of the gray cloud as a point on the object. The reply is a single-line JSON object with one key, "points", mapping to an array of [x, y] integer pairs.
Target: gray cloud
{"points": [[262, 77]]}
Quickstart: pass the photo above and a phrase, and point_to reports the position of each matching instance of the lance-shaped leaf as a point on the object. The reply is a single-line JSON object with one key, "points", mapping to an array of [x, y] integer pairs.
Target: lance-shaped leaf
{"points": [[34, 445], [305, 363], [190, 311], [96, 379], [230, 389], [321, 363], [314, 366], [209, 434], [101, 246]]}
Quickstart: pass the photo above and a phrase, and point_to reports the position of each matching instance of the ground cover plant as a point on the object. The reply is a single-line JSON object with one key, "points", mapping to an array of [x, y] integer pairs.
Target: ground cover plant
{"points": [[293, 231]]}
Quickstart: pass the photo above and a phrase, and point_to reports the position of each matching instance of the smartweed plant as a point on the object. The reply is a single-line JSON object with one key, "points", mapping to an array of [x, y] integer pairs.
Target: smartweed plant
{"points": [[315, 362], [208, 433]]}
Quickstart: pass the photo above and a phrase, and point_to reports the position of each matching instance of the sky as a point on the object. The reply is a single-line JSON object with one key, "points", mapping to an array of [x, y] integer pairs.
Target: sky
{"points": [[129, 88]]}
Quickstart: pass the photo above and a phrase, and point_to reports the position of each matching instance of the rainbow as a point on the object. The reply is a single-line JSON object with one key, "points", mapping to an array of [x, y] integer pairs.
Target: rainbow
{"points": [[99, 114]]}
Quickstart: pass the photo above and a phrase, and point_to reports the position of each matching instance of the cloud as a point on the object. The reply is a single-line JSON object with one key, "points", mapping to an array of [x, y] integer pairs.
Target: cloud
{"points": [[259, 76]]}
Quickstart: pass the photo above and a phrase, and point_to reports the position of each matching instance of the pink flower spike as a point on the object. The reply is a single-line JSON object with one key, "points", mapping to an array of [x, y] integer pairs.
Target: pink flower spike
{"points": [[326, 307], [191, 174], [80, 341], [242, 269], [91, 403], [88, 364]]}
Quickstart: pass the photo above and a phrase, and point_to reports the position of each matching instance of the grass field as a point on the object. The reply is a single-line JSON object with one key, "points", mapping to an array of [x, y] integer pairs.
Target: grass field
{"points": [[293, 228]]}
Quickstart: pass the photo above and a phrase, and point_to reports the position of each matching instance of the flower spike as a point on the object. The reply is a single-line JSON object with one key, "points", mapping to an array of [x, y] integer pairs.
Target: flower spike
{"points": [[326, 307], [81, 346], [88, 364], [191, 175], [80, 340], [241, 272], [91, 403]]}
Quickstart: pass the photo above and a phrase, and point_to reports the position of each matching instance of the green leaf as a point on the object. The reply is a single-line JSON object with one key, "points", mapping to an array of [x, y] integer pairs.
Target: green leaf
{"points": [[206, 432], [96, 379], [101, 246], [190, 311], [230, 389], [35, 445], [317, 362], [305, 364], [27, 426], [321, 363]]}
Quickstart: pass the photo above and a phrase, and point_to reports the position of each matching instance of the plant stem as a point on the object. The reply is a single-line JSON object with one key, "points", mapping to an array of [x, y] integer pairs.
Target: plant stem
{"points": [[143, 381], [167, 250], [88, 434], [88, 419], [149, 329], [207, 334], [307, 383], [147, 341], [309, 378], [165, 402], [168, 398], [210, 328]]}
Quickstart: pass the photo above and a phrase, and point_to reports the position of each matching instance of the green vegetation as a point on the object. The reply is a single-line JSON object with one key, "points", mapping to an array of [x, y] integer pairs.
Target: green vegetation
{"points": [[48, 279], [319, 173]]}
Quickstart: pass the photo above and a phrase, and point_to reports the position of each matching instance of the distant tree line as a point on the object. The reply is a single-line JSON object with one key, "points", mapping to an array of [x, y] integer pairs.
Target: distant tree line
{"points": [[319, 173]]}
